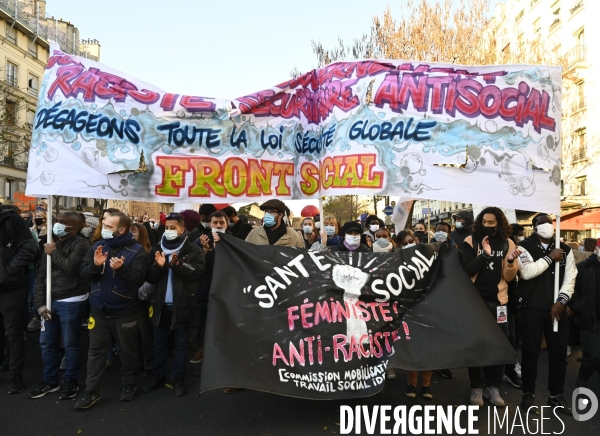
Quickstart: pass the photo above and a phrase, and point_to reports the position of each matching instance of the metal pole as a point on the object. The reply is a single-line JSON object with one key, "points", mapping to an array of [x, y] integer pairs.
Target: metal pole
{"points": [[557, 268], [48, 258], [321, 220]]}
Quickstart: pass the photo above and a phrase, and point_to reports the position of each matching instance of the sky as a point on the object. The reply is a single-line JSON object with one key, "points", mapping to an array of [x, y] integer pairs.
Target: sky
{"points": [[223, 49]]}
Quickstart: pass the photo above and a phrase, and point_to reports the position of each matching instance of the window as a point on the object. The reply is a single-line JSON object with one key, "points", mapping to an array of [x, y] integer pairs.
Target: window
{"points": [[581, 141], [580, 36], [32, 48], [66, 202], [11, 34], [12, 74], [580, 103], [11, 112], [10, 187], [581, 185], [33, 85], [520, 15], [556, 53], [537, 27]]}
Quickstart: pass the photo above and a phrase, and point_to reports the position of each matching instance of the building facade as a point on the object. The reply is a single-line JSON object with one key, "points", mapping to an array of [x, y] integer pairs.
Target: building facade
{"points": [[25, 34]]}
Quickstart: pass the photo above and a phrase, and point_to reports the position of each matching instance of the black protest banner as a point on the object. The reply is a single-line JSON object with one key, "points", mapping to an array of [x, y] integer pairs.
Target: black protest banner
{"points": [[327, 325]]}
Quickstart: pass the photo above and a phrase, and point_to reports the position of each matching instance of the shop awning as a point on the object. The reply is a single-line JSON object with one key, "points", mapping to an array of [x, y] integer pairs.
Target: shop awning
{"points": [[582, 219]]}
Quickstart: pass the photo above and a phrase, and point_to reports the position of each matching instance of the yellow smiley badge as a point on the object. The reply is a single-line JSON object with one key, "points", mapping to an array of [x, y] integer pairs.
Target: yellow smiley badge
{"points": [[91, 323], [151, 311]]}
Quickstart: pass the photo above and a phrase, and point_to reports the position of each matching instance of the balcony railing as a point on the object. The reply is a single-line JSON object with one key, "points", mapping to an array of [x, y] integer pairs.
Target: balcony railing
{"points": [[554, 24], [578, 105], [579, 155], [12, 162], [12, 81], [575, 8], [575, 55]]}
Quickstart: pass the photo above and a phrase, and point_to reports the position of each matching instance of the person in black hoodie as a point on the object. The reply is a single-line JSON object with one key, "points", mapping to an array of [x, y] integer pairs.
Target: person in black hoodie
{"points": [[116, 268], [177, 271], [238, 227], [70, 292], [586, 305], [421, 233], [17, 251], [351, 232], [463, 226], [540, 309]]}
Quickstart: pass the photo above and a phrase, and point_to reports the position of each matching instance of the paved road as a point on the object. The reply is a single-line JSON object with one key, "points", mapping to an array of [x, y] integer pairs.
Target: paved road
{"points": [[244, 413]]}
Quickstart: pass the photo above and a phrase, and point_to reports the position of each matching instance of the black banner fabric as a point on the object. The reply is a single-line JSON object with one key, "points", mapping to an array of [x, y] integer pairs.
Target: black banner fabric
{"points": [[328, 325]]}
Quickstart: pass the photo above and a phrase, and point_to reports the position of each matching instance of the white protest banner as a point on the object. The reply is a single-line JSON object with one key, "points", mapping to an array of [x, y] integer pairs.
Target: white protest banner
{"points": [[415, 129]]}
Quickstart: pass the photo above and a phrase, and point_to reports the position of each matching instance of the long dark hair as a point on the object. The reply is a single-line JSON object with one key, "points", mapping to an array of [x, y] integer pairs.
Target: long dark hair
{"points": [[143, 239], [502, 229]]}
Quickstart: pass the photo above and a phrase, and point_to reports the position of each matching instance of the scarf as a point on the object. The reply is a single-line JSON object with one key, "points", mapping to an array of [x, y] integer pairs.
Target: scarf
{"points": [[170, 247], [386, 249], [119, 241]]}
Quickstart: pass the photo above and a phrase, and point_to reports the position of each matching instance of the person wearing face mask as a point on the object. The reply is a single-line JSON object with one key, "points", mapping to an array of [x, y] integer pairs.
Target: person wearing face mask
{"points": [[463, 226], [308, 233], [371, 225], [489, 258], [115, 268], [383, 241], [274, 231], [238, 227], [97, 236], [406, 239], [539, 309], [192, 222], [69, 294], [205, 212], [177, 271], [421, 233], [331, 228], [317, 220], [351, 234], [586, 305]]}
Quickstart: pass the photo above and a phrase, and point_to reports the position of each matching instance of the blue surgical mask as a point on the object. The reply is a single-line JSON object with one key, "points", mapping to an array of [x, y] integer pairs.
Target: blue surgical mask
{"points": [[307, 229], [440, 236], [107, 234], [170, 235], [59, 230], [382, 242], [269, 220], [330, 230]]}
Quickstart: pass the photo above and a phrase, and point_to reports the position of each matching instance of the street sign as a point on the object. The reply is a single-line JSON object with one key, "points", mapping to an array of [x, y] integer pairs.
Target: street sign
{"points": [[426, 211], [388, 210]]}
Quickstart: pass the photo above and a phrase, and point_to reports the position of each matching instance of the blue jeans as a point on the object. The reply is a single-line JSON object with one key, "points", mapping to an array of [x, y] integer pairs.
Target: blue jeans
{"points": [[161, 343], [66, 320]]}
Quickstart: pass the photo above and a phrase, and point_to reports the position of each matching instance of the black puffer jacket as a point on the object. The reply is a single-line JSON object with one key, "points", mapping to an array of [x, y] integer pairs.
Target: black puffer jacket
{"points": [[17, 250], [587, 291], [187, 274], [66, 281]]}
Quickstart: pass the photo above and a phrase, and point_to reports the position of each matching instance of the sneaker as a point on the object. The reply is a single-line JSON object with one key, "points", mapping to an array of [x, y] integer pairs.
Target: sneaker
{"points": [[42, 389], [581, 383], [156, 382], [411, 391], [390, 374], [230, 390], [63, 362], [559, 401], [528, 401], [197, 357], [426, 392], [69, 389], [446, 373], [15, 385], [179, 388], [493, 394], [34, 325], [128, 392], [513, 379], [87, 400], [476, 398]]}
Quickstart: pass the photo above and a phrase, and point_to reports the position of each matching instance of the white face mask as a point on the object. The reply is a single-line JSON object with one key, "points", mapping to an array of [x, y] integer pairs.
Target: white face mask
{"points": [[206, 225], [520, 238], [318, 225], [218, 230], [353, 240], [170, 234], [374, 227], [545, 230], [382, 242], [330, 230], [107, 234], [409, 245], [459, 225], [307, 229]]}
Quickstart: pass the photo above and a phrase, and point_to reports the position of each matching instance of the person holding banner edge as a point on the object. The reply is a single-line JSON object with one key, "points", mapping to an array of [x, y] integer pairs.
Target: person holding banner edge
{"points": [[69, 294], [116, 268], [539, 309], [489, 258]]}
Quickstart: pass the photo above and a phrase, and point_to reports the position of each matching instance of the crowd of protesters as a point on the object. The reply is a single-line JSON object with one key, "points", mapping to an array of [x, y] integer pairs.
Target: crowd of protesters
{"points": [[141, 287]]}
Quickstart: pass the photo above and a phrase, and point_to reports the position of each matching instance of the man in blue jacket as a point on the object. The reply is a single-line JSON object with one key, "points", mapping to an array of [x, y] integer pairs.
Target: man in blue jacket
{"points": [[116, 268]]}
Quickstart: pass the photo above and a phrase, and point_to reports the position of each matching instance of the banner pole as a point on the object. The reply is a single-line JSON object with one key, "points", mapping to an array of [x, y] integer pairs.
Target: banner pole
{"points": [[428, 218], [322, 220], [48, 258], [557, 268]]}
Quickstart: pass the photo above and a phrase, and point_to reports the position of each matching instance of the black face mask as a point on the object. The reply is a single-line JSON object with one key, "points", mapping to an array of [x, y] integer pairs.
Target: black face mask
{"points": [[488, 231], [420, 232], [39, 221]]}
